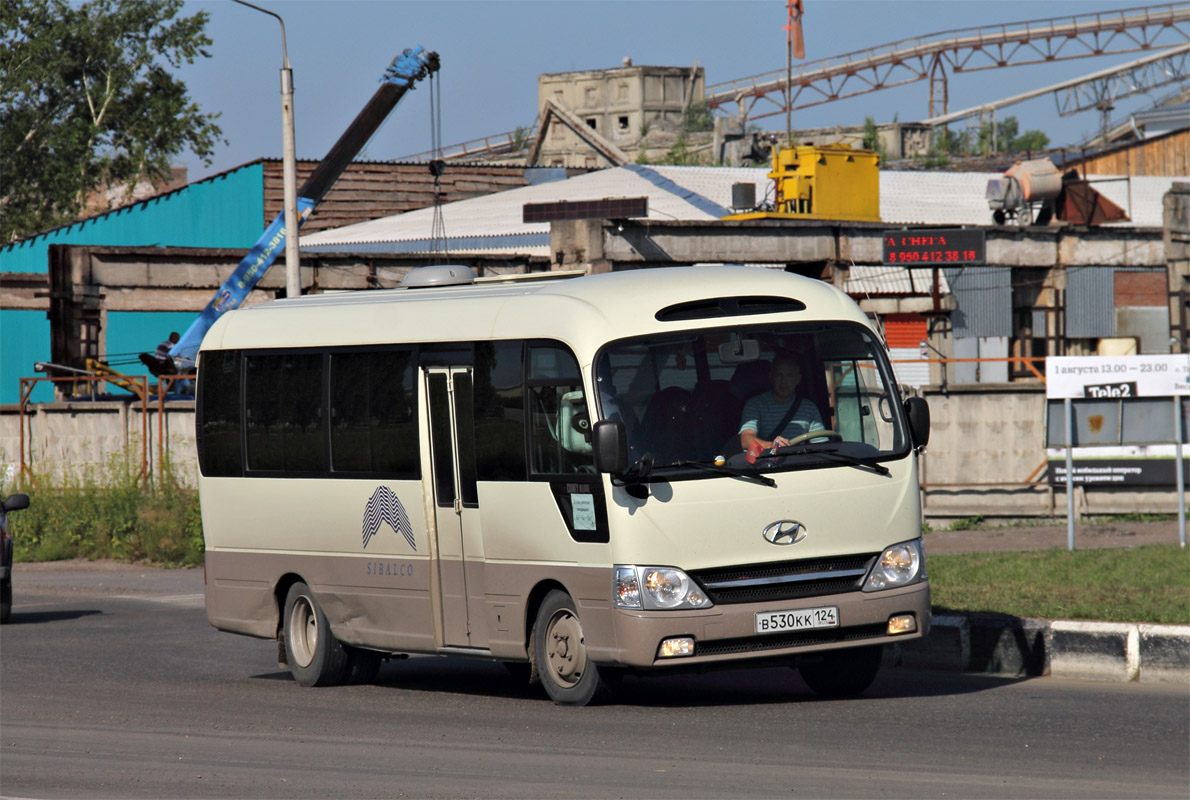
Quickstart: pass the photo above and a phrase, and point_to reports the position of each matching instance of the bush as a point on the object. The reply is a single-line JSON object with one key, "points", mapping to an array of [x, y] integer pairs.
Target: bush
{"points": [[117, 516]]}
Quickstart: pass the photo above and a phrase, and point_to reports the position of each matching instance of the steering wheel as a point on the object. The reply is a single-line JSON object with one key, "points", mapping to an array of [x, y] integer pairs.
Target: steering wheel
{"points": [[820, 434]]}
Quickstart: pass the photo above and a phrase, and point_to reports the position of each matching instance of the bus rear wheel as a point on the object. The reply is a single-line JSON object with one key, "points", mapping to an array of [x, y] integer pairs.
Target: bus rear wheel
{"points": [[560, 654], [315, 656], [842, 673]]}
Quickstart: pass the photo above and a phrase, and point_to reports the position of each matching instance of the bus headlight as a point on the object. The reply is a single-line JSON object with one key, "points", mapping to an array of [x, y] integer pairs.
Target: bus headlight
{"points": [[655, 588], [899, 565]]}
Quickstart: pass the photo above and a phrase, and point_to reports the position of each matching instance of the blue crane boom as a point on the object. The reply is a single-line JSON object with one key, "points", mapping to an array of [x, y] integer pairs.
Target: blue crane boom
{"points": [[405, 70]]}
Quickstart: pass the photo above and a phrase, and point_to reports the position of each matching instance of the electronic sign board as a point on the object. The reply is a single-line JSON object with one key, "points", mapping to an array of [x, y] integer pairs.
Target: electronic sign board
{"points": [[934, 246]]}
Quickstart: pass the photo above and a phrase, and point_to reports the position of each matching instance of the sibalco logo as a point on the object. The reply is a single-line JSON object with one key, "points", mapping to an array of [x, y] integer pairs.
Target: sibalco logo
{"points": [[385, 506], [784, 531]]}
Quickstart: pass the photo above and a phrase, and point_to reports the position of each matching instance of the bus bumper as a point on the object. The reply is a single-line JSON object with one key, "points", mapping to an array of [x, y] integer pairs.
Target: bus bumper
{"points": [[727, 633]]}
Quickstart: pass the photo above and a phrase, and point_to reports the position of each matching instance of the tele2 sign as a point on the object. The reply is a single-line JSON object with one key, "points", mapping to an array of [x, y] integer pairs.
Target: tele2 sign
{"points": [[1117, 377]]}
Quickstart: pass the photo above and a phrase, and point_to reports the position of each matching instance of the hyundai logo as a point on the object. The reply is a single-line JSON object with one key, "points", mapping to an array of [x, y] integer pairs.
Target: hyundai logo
{"points": [[784, 531]]}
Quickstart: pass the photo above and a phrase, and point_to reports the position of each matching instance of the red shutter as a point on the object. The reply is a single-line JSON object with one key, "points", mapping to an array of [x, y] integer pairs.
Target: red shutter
{"points": [[904, 330]]}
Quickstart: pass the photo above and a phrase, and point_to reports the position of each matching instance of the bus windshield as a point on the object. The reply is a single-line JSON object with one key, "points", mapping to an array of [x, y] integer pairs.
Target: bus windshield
{"points": [[821, 394]]}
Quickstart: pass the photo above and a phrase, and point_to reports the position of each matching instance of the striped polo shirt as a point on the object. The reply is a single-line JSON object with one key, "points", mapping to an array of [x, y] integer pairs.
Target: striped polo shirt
{"points": [[762, 413]]}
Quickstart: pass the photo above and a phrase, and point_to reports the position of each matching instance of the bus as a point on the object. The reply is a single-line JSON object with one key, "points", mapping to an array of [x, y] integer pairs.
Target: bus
{"points": [[550, 473]]}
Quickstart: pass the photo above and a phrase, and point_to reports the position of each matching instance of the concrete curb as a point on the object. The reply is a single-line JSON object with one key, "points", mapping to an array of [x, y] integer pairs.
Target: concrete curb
{"points": [[999, 644]]}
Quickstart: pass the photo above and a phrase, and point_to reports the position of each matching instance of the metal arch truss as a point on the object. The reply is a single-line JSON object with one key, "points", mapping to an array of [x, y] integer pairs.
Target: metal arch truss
{"points": [[967, 50], [1102, 93]]}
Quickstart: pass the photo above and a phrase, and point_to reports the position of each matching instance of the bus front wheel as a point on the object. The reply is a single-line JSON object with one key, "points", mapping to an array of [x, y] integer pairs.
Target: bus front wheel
{"points": [[316, 658], [560, 653]]}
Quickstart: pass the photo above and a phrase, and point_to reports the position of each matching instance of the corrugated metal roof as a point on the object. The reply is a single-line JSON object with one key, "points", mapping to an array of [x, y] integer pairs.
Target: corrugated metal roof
{"points": [[875, 281], [156, 199], [701, 193], [1147, 196], [1177, 115], [500, 214]]}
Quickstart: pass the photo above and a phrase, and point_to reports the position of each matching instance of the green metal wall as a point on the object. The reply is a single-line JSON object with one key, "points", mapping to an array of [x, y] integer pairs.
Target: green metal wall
{"points": [[226, 211]]}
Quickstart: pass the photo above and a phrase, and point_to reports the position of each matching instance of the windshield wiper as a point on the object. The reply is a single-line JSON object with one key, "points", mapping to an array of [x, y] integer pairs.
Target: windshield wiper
{"points": [[731, 471], [634, 478], [831, 455]]}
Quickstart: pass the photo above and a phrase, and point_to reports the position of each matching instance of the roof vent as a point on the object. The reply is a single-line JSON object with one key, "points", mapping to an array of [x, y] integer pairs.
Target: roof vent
{"points": [[438, 275], [729, 307]]}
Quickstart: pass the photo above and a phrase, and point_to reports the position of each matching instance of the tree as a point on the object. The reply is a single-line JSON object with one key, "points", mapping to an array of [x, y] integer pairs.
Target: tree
{"points": [[979, 141], [697, 118], [1030, 141], [872, 139], [1007, 140], [87, 100]]}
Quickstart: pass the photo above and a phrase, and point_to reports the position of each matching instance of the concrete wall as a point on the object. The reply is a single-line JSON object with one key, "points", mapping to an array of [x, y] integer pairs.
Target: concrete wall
{"points": [[80, 439], [987, 440]]}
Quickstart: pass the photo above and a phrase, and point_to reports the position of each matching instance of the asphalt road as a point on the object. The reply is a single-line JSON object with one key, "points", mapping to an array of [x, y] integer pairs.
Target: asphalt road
{"points": [[112, 684]]}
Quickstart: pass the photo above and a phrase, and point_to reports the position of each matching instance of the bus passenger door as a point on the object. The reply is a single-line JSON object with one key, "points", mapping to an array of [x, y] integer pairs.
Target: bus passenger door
{"points": [[456, 506]]}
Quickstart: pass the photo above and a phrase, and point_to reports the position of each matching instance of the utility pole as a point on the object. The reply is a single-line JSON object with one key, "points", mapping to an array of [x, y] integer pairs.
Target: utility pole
{"points": [[293, 279], [795, 48]]}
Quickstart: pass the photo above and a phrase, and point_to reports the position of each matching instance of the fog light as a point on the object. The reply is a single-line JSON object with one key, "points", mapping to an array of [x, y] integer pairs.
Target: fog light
{"points": [[901, 623], [677, 647]]}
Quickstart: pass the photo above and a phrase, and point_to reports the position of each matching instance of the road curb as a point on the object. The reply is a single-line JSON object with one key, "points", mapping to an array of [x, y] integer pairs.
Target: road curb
{"points": [[1000, 644]]}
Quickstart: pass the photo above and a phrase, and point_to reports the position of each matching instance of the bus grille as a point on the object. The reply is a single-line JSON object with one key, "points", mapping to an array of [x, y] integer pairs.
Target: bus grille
{"points": [[785, 580], [754, 644]]}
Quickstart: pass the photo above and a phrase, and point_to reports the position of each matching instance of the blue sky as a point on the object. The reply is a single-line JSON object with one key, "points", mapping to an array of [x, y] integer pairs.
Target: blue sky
{"points": [[493, 51]]}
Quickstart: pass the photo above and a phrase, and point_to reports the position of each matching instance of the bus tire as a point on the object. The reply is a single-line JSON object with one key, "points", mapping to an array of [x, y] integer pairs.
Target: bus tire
{"points": [[316, 658], [842, 673], [560, 654]]}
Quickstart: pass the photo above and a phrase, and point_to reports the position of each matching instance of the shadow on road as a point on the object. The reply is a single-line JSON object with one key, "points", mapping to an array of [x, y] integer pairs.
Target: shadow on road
{"points": [[33, 617], [762, 686]]}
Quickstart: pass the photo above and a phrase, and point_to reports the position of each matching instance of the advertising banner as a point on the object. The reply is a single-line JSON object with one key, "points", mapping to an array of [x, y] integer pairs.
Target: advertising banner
{"points": [[1123, 423], [1104, 377]]}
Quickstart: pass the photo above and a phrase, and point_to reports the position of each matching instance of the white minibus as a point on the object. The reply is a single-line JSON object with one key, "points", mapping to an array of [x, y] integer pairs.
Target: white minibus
{"points": [[582, 477]]}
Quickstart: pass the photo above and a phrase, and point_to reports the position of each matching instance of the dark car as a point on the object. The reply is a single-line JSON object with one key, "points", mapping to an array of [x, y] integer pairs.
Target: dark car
{"points": [[14, 502]]}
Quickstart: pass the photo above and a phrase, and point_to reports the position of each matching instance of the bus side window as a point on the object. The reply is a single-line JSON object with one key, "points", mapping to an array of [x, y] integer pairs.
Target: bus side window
{"points": [[283, 400], [220, 453], [374, 413], [559, 418], [499, 411]]}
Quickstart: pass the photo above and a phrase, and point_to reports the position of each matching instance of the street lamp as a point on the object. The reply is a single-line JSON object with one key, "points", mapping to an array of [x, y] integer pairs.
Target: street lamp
{"points": [[293, 283]]}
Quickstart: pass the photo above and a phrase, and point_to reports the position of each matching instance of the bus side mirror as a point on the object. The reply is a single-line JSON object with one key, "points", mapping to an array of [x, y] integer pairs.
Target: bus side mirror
{"points": [[15, 502], [610, 445], [918, 411]]}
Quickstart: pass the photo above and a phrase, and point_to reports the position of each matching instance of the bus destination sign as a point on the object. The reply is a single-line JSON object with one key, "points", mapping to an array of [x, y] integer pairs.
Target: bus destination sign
{"points": [[934, 246]]}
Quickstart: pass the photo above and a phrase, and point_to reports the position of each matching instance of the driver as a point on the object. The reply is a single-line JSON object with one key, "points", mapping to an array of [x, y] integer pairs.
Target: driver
{"points": [[780, 413]]}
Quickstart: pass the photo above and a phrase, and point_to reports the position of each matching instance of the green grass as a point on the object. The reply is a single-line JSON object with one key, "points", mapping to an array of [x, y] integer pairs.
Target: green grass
{"points": [[137, 525], [1144, 584], [114, 514]]}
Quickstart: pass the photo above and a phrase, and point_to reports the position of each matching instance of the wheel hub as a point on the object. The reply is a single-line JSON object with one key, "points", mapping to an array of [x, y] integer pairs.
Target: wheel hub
{"points": [[303, 632], [567, 655]]}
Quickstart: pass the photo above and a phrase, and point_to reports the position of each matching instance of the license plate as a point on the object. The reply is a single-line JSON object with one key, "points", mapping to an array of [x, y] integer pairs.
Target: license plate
{"points": [[797, 619]]}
